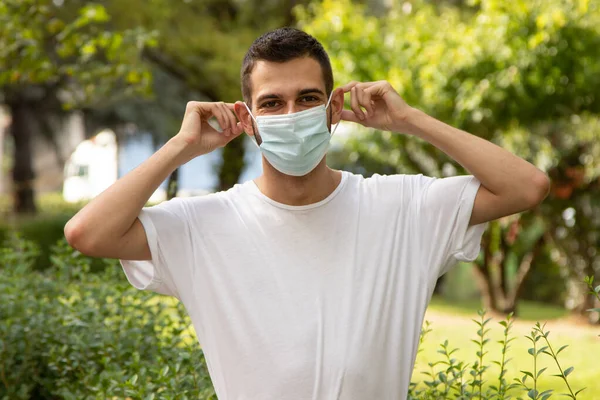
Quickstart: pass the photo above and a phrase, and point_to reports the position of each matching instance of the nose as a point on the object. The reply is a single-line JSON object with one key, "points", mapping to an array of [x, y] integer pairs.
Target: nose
{"points": [[291, 107]]}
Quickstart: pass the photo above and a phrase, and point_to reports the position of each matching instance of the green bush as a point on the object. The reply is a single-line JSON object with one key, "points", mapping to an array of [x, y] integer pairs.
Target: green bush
{"points": [[45, 230], [69, 334]]}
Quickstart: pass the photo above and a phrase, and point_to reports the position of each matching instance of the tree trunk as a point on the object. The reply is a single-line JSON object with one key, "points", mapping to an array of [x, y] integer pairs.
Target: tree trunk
{"points": [[1, 155], [173, 184], [23, 173], [484, 281], [523, 271], [233, 163]]}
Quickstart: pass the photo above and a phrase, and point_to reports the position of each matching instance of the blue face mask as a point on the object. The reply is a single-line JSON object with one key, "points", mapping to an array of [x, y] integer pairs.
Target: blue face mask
{"points": [[294, 144]]}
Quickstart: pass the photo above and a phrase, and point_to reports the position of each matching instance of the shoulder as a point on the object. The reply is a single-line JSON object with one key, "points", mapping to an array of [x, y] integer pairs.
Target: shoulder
{"points": [[216, 203], [404, 185]]}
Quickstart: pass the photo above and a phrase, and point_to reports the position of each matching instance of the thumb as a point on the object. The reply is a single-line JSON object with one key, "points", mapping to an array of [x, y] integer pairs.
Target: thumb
{"points": [[348, 115]]}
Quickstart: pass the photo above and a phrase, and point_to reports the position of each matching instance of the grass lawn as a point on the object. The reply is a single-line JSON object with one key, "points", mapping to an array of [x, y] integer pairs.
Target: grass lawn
{"points": [[528, 310], [452, 322]]}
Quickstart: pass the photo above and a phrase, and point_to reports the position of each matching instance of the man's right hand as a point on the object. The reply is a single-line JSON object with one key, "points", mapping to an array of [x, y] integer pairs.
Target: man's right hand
{"points": [[199, 136]]}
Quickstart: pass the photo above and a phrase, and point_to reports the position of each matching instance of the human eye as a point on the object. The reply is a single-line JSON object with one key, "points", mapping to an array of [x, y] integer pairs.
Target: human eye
{"points": [[269, 104], [309, 99]]}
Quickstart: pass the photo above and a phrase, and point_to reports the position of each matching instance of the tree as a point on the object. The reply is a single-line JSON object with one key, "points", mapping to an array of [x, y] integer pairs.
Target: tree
{"points": [[522, 74], [53, 58]]}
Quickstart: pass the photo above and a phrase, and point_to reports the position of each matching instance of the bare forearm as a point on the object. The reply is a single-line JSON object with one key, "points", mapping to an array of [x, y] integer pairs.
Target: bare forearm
{"points": [[498, 170], [112, 213]]}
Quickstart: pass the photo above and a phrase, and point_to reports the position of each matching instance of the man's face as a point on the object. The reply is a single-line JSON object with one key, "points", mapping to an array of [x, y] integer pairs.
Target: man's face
{"points": [[285, 88], [289, 87]]}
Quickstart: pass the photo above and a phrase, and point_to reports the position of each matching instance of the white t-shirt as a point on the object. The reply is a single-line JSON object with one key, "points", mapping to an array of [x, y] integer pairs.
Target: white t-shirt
{"points": [[323, 301]]}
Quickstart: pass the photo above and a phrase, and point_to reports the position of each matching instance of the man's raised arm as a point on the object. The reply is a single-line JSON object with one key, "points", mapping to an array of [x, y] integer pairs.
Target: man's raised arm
{"points": [[509, 184], [108, 226]]}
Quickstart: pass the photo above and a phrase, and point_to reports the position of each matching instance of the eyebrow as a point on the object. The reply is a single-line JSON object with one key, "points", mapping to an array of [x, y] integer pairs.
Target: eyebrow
{"points": [[270, 96], [311, 90]]}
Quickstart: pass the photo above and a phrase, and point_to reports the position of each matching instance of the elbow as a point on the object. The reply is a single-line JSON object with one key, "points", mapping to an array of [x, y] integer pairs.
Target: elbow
{"points": [[76, 236], [72, 233], [538, 189]]}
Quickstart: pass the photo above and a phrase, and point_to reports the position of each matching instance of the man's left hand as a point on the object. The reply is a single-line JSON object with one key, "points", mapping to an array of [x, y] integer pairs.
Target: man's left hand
{"points": [[384, 109]]}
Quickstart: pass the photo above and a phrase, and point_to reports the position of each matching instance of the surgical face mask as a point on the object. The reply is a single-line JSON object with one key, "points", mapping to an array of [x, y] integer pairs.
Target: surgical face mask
{"points": [[294, 144]]}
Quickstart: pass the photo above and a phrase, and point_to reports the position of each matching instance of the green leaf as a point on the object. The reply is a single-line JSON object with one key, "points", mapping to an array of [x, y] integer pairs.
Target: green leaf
{"points": [[532, 394], [568, 371], [545, 394], [562, 348], [95, 12], [89, 49], [529, 374], [442, 377], [541, 371]]}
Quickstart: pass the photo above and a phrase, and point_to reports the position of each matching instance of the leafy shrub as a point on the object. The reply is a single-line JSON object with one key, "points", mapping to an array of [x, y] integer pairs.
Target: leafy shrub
{"points": [[69, 334], [45, 230], [458, 379]]}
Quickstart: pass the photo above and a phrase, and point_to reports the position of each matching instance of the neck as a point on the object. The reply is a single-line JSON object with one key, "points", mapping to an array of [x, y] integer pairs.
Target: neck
{"points": [[298, 190]]}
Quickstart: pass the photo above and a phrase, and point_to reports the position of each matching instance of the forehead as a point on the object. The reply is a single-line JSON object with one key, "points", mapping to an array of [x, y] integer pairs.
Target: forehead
{"points": [[286, 78]]}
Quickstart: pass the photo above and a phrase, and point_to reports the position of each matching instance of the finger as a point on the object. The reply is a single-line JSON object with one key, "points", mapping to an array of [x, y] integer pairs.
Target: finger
{"points": [[220, 116], [367, 103], [362, 103], [378, 89], [349, 116], [235, 132], [354, 104], [348, 86], [225, 113], [239, 128], [231, 117]]}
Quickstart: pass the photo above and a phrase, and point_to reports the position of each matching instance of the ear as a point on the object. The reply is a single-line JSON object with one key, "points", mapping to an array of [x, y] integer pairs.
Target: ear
{"points": [[337, 105], [242, 114]]}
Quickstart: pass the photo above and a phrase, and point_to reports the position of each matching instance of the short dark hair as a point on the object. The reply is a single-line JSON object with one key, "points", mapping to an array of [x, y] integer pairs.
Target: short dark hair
{"points": [[281, 45]]}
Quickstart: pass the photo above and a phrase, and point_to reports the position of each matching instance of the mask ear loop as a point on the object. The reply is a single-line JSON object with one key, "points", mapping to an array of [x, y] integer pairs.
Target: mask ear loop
{"points": [[254, 136], [327, 106]]}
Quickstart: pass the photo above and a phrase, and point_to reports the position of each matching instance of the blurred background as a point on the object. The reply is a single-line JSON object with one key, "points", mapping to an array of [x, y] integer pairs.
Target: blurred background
{"points": [[89, 90]]}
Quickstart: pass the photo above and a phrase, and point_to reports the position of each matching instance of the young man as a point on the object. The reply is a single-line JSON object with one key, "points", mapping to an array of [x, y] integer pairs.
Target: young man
{"points": [[306, 283]]}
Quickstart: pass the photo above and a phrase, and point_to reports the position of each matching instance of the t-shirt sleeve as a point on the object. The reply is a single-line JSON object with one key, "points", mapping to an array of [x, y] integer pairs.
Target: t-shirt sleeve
{"points": [[444, 208], [167, 231]]}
